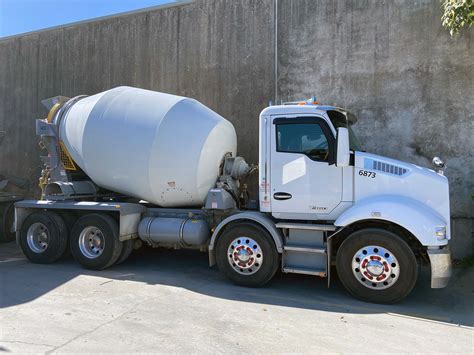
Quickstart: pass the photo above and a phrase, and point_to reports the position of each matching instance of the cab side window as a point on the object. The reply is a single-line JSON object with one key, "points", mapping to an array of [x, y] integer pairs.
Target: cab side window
{"points": [[304, 138]]}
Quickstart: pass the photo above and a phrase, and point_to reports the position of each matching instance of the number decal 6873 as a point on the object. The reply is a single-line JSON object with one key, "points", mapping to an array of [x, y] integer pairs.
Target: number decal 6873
{"points": [[369, 174]]}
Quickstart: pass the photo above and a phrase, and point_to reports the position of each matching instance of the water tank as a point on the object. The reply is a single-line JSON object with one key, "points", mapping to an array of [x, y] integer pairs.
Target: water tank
{"points": [[161, 148]]}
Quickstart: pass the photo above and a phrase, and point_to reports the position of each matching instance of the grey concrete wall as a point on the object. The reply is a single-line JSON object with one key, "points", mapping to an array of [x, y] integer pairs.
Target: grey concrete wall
{"points": [[389, 61], [219, 52]]}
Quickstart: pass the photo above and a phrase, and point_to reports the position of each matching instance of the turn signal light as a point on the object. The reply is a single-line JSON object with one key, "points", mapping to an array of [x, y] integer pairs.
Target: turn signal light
{"points": [[440, 233]]}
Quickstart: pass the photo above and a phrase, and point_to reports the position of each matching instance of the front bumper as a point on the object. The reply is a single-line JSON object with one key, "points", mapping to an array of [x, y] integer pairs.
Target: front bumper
{"points": [[441, 267]]}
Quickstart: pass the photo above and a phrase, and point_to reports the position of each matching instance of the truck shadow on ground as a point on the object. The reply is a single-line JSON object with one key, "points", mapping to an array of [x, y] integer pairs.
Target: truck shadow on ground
{"points": [[22, 281]]}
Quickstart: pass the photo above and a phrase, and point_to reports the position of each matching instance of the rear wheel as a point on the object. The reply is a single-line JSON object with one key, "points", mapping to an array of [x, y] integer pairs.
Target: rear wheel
{"points": [[126, 251], [247, 255], [7, 214], [69, 219], [43, 237], [376, 265], [95, 241]]}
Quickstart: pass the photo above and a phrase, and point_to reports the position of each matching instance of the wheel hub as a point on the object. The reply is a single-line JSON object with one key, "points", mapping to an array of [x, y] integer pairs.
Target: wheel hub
{"points": [[95, 242], [375, 267], [37, 237], [245, 255], [91, 242]]}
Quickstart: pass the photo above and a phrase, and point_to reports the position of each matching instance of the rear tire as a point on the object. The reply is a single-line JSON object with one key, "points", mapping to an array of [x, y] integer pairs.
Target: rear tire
{"points": [[126, 251], [246, 254], [95, 241], [43, 237], [69, 219], [7, 214], [377, 266]]}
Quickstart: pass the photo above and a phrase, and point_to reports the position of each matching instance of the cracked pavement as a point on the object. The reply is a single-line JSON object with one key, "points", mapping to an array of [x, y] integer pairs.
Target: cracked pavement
{"points": [[171, 301]]}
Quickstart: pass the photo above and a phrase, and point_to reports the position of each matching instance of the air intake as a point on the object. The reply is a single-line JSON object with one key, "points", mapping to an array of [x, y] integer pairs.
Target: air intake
{"points": [[384, 167]]}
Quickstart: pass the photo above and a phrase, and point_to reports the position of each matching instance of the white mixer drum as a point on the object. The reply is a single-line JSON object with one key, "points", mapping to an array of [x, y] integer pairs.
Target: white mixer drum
{"points": [[161, 148]]}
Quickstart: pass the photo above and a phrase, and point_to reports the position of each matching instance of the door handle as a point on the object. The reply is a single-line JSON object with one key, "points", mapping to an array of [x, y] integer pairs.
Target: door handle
{"points": [[281, 196]]}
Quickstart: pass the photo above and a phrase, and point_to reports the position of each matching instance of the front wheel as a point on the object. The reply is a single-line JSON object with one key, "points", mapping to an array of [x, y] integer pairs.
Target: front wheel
{"points": [[247, 255], [377, 266]]}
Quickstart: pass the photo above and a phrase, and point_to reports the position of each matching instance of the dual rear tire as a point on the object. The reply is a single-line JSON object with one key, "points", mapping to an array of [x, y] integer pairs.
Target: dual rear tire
{"points": [[6, 222], [93, 239], [43, 237]]}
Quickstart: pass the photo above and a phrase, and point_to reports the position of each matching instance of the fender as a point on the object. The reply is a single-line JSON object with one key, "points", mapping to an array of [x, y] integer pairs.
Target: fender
{"points": [[412, 215], [264, 220]]}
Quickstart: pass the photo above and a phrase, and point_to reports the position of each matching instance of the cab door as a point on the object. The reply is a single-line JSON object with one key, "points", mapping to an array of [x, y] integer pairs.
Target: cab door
{"points": [[305, 182]]}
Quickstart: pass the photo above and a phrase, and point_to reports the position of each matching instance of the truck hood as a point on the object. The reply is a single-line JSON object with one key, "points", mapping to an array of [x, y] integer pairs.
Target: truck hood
{"points": [[394, 177]]}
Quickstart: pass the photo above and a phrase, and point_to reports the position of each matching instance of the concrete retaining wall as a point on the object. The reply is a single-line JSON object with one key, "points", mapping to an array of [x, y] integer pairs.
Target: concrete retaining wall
{"points": [[388, 61]]}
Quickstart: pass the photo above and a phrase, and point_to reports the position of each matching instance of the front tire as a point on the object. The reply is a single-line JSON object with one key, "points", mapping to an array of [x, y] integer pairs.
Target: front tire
{"points": [[376, 266], [95, 241], [246, 254], [43, 237]]}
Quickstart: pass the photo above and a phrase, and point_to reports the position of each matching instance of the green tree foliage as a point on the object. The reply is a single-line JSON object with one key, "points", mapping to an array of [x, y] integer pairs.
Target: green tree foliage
{"points": [[457, 14]]}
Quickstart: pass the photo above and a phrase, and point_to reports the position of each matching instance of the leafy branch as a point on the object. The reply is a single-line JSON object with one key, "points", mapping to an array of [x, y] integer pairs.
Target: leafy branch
{"points": [[457, 14]]}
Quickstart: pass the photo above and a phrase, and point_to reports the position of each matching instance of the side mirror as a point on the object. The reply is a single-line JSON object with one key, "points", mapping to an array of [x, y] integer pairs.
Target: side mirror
{"points": [[342, 142]]}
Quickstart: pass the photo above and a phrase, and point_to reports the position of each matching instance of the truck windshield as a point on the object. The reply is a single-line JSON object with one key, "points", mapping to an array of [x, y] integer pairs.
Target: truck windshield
{"points": [[338, 119]]}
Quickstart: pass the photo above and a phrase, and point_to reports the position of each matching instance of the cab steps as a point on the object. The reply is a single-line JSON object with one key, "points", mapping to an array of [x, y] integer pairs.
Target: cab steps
{"points": [[305, 271], [305, 250]]}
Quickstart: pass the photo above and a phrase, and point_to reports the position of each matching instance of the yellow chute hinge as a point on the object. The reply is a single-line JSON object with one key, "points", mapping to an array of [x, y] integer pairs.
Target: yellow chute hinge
{"points": [[66, 159]]}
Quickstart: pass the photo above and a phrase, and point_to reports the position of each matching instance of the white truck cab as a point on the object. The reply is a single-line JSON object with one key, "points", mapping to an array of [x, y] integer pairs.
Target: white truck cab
{"points": [[322, 199], [300, 178], [312, 168]]}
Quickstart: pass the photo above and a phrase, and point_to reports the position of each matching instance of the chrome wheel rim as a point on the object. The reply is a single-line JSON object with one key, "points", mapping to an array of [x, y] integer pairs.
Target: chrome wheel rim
{"points": [[245, 256], [91, 242], [37, 237], [375, 267]]}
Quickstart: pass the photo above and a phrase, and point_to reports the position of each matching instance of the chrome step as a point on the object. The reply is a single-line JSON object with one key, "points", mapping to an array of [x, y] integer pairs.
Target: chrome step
{"points": [[304, 226], [304, 249], [306, 271]]}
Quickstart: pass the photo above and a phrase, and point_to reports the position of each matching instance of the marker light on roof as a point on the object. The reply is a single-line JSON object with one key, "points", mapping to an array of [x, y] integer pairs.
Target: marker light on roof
{"points": [[311, 101]]}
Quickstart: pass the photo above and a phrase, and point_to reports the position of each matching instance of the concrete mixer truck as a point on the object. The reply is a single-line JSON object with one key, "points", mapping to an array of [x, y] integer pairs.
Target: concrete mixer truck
{"points": [[129, 166]]}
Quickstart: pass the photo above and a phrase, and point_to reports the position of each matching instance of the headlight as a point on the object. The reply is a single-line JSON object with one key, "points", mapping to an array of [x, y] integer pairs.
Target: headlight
{"points": [[440, 233]]}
